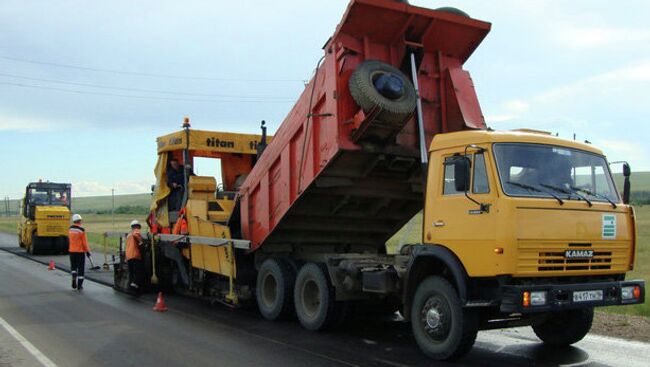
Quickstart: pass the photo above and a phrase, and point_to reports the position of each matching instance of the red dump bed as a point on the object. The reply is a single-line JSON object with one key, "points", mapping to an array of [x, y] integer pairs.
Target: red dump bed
{"points": [[322, 181]]}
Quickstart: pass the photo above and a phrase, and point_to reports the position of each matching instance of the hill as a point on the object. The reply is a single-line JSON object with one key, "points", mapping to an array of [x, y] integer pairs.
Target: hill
{"points": [[97, 204], [640, 181]]}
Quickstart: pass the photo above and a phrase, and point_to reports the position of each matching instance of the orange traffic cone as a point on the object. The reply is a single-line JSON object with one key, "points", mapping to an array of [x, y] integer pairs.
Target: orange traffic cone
{"points": [[160, 303], [51, 266]]}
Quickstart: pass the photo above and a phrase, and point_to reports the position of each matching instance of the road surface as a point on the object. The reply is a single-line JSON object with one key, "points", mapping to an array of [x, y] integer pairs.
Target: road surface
{"points": [[43, 322]]}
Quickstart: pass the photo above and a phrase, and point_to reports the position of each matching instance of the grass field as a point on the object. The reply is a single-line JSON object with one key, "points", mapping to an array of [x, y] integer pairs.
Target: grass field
{"points": [[99, 203], [640, 181], [95, 225]]}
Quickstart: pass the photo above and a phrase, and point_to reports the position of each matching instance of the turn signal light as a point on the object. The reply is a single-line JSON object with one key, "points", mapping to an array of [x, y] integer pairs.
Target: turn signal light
{"points": [[637, 292], [526, 299], [498, 250]]}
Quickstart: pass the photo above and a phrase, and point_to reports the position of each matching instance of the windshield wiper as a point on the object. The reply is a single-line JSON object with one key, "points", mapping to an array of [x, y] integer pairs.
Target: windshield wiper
{"points": [[537, 189], [595, 195], [568, 192]]}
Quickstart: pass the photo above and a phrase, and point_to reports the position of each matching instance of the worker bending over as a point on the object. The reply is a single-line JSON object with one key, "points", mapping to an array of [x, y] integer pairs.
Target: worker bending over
{"points": [[134, 256], [78, 248]]}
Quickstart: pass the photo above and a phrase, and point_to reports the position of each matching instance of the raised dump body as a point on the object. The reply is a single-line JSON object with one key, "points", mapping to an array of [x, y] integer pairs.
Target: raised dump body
{"points": [[344, 167]]}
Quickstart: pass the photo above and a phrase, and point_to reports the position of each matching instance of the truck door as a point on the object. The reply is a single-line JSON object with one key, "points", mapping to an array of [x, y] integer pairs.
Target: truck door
{"points": [[454, 221]]}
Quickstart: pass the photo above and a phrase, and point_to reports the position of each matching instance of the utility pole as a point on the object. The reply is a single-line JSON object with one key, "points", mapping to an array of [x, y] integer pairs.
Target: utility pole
{"points": [[113, 208]]}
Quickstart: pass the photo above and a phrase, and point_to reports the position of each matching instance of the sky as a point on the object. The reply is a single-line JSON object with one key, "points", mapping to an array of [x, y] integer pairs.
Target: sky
{"points": [[86, 87]]}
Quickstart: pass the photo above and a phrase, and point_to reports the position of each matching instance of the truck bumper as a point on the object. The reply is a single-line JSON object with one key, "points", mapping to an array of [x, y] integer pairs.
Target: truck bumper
{"points": [[544, 298]]}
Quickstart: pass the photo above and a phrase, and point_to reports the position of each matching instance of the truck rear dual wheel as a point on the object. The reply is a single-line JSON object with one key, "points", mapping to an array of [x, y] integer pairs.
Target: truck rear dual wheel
{"points": [[562, 329], [274, 291], [442, 328], [314, 298]]}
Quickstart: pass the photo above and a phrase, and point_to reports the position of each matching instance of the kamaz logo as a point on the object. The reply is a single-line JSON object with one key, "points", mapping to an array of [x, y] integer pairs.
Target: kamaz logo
{"points": [[214, 142], [579, 254]]}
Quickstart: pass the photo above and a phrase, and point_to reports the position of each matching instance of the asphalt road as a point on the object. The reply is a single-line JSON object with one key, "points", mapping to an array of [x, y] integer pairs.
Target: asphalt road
{"points": [[44, 322]]}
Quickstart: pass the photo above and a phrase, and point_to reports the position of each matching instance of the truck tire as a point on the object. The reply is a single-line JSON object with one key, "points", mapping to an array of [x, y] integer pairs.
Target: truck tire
{"points": [[564, 328], [314, 298], [274, 291], [395, 108], [36, 247], [442, 328], [452, 10], [61, 245]]}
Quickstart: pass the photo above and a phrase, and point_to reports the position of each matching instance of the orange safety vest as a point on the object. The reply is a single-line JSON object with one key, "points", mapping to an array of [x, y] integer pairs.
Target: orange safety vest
{"points": [[78, 240], [132, 245]]}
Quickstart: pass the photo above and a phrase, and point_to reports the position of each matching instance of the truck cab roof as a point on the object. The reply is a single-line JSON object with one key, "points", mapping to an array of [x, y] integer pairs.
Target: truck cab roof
{"points": [[463, 138]]}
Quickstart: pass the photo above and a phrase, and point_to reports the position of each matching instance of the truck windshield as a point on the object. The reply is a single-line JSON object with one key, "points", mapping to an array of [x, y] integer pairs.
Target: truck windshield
{"points": [[47, 196], [549, 171]]}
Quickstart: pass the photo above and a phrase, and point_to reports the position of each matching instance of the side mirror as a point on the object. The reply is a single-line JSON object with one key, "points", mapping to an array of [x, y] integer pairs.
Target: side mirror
{"points": [[627, 172], [461, 173]]}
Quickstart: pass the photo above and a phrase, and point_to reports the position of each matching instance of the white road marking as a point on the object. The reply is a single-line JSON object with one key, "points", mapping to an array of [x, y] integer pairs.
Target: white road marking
{"points": [[46, 362]]}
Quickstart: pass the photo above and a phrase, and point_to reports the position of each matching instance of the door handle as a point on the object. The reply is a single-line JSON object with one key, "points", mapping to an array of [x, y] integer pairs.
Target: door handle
{"points": [[438, 223]]}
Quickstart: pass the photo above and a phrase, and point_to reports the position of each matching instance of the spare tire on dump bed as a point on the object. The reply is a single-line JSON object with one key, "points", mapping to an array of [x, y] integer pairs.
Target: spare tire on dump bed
{"points": [[377, 84]]}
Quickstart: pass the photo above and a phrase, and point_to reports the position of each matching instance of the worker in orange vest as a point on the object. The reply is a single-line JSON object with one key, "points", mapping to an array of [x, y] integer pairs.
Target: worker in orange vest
{"points": [[134, 256], [78, 247]]}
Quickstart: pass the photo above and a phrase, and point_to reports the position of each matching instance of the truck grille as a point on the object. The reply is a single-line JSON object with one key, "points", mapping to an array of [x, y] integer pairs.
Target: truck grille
{"points": [[535, 257]]}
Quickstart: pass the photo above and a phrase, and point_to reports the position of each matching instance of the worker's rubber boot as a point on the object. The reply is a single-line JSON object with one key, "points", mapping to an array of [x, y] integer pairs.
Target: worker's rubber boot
{"points": [[74, 281], [80, 283]]}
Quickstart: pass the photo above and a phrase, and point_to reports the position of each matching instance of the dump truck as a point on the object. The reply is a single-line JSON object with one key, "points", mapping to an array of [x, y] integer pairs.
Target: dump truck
{"points": [[45, 217], [519, 227]]}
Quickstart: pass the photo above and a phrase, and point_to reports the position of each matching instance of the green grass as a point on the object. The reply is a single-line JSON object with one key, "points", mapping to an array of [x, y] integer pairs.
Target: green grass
{"points": [[97, 203], [639, 181], [95, 225]]}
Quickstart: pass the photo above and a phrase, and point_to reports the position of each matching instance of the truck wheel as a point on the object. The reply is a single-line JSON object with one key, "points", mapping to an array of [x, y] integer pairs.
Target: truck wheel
{"points": [[274, 291], [61, 245], [314, 298], [564, 328], [377, 84], [452, 10], [442, 329], [35, 247]]}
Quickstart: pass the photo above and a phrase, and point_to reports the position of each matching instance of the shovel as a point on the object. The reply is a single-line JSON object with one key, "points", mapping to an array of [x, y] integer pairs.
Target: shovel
{"points": [[92, 264]]}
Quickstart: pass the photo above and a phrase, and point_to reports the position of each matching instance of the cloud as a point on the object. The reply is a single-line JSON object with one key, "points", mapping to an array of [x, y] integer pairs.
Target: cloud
{"points": [[621, 148], [96, 188], [28, 124], [574, 37], [611, 81]]}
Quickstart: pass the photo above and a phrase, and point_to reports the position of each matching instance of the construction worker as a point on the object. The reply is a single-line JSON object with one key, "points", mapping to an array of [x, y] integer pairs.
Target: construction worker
{"points": [[175, 182], [78, 248], [134, 256]]}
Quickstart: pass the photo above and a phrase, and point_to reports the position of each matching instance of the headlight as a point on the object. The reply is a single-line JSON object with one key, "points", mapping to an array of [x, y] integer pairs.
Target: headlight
{"points": [[537, 298], [631, 292]]}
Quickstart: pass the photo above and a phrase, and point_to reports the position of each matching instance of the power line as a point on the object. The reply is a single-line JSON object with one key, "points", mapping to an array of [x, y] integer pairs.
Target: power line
{"points": [[151, 75], [58, 81], [140, 97]]}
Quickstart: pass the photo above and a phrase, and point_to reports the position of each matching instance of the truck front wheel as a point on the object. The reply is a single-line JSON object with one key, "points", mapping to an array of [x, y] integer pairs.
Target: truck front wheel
{"points": [[564, 328], [274, 291], [442, 328]]}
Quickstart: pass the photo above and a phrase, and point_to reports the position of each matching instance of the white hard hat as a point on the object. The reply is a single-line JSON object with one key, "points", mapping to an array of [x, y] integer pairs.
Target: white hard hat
{"points": [[135, 223], [76, 218]]}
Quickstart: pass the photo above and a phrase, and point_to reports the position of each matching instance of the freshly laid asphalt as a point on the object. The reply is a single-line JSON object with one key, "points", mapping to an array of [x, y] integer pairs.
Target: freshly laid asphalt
{"points": [[55, 325]]}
